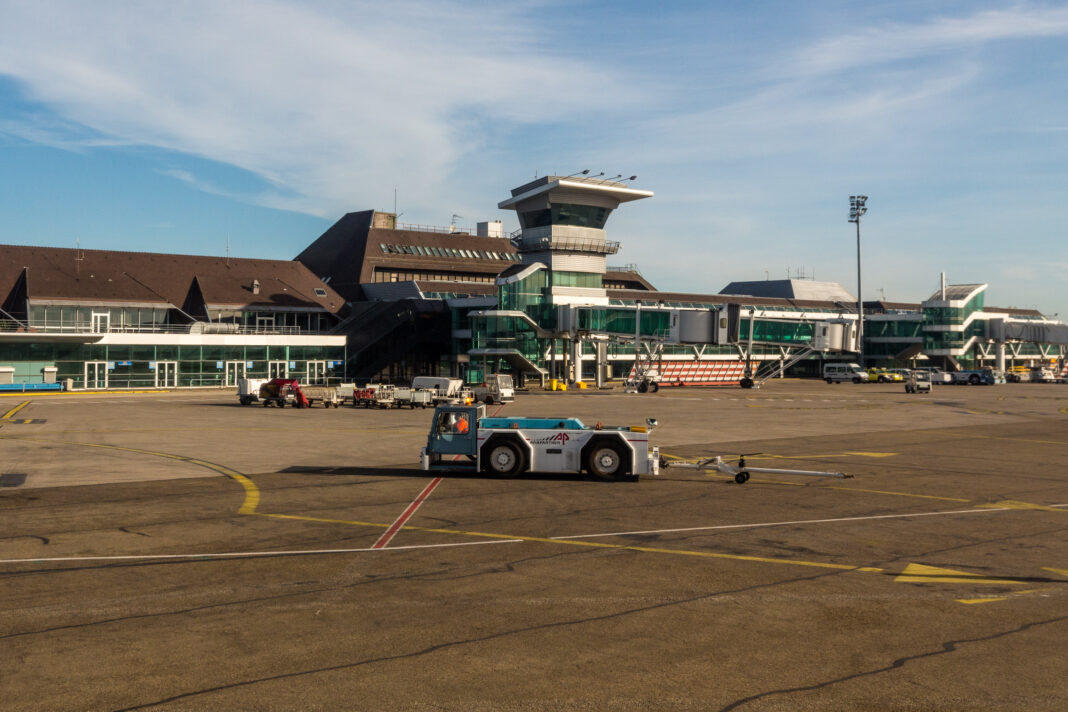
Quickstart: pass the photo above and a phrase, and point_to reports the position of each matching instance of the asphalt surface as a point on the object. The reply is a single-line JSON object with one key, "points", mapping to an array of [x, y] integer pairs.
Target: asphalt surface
{"points": [[181, 552]]}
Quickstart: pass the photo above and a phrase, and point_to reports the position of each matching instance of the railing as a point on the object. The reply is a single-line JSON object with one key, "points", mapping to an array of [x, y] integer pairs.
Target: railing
{"points": [[450, 230], [577, 244]]}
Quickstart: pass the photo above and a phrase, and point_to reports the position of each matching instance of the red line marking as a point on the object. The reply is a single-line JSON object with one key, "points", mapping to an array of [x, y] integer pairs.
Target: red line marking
{"points": [[384, 540]]}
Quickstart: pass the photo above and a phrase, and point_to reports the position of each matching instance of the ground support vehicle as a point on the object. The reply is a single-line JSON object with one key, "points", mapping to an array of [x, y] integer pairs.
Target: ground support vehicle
{"points": [[918, 382], [282, 391], [1043, 375], [248, 390], [741, 471], [838, 372], [647, 382], [882, 375], [327, 395], [498, 388], [983, 376], [463, 438], [412, 397]]}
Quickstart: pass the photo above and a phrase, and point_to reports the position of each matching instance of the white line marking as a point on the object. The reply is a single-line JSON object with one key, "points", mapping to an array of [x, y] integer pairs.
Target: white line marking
{"points": [[782, 524], [238, 554]]}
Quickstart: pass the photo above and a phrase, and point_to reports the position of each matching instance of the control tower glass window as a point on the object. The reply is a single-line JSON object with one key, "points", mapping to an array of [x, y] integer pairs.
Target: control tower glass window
{"points": [[567, 214]]}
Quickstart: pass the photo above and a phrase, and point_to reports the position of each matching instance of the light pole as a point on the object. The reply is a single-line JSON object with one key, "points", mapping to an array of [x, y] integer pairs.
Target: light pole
{"points": [[857, 208]]}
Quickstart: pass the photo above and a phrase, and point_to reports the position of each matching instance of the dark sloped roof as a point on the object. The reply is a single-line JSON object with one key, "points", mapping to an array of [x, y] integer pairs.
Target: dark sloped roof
{"points": [[145, 277], [350, 251]]}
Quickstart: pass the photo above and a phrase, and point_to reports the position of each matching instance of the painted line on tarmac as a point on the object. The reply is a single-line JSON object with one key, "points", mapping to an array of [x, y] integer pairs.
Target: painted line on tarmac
{"points": [[387, 536], [11, 413], [246, 554], [793, 523]]}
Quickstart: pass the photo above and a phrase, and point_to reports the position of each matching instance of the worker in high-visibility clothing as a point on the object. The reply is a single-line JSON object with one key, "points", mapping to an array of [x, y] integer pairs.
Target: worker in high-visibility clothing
{"points": [[461, 426]]}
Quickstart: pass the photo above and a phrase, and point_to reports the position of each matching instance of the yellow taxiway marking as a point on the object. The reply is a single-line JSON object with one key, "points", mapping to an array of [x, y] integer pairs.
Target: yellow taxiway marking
{"points": [[993, 599], [1063, 411], [11, 413], [995, 437], [1062, 572], [1013, 504], [921, 573]]}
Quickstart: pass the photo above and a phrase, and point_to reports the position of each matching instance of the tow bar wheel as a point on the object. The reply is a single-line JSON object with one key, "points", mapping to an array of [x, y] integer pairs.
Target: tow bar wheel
{"points": [[605, 461]]}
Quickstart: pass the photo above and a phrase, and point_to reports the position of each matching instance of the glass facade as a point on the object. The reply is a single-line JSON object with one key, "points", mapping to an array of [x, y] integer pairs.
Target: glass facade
{"points": [[577, 279], [129, 366], [566, 214]]}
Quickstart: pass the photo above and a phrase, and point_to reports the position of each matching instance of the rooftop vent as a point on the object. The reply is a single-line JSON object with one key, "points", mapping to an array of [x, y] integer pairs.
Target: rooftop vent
{"points": [[320, 292], [255, 286]]}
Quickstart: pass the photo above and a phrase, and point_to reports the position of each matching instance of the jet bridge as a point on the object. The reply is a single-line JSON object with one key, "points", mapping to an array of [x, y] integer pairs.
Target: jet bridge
{"points": [[1006, 331]]}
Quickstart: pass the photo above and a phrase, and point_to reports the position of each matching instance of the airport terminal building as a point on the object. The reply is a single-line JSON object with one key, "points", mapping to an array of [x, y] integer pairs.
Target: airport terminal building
{"points": [[374, 299], [97, 319]]}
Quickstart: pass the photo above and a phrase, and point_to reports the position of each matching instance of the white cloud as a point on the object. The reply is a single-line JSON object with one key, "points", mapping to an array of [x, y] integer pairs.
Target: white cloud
{"points": [[895, 41], [325, 102]]}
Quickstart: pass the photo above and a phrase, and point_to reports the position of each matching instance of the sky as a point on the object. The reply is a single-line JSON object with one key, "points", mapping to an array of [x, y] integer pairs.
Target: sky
{"points": [[197, 127]]}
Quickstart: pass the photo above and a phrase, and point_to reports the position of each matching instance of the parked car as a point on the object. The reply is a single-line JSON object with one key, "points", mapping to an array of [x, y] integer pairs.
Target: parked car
{"points": [[838, 372]]}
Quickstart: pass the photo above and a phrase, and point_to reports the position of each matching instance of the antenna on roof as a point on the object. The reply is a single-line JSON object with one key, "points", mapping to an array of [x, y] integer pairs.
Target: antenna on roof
{"points": [[227, 249], [78, 256], [452, 223]]}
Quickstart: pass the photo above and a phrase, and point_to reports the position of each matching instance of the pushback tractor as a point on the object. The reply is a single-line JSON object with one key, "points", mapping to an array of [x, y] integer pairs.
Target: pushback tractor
{"points": [[463, 438]]}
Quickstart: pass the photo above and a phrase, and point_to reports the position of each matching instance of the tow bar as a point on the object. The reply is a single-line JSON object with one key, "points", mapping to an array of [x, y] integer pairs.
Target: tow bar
{"points": [[740, 472]]}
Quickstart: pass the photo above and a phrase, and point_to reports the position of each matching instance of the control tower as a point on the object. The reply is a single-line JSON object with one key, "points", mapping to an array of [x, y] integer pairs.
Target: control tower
{"points": [[562, 221]]}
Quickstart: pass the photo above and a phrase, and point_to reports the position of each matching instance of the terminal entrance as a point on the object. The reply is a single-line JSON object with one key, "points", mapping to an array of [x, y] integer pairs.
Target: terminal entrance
{"points": [[316, 371], [277, 369], [96, 374], [234, 371], [166, 374]]}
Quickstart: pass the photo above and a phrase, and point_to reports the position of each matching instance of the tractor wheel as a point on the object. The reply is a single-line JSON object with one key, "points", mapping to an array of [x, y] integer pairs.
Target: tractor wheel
{"points": [[973, 379], [643, 387], [503, 458], [605, 461], [654, 387]]}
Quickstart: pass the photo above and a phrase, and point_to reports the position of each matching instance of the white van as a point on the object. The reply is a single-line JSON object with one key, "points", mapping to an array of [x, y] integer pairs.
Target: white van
{"points": [[838, 372]]}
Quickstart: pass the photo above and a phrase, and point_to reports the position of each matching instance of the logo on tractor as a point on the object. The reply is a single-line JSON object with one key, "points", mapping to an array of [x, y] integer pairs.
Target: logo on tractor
{"points": [[562, 437]]}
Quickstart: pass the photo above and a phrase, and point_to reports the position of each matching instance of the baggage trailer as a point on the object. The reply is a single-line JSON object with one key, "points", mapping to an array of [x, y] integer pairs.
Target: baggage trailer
{"points": [[327, 395], [462, 438], [248, 390], [412, 397]]}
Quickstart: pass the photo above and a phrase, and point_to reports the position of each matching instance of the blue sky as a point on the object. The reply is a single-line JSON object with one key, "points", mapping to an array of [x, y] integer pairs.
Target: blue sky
{"points": [[178, 126]]}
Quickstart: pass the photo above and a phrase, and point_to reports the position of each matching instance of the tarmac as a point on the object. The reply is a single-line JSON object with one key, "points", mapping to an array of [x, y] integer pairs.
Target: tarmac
{"points": [[177, 551]]}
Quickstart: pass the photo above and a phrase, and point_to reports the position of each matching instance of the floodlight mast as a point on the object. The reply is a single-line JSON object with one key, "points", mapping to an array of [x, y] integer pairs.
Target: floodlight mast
{"points": [[857, 208]]}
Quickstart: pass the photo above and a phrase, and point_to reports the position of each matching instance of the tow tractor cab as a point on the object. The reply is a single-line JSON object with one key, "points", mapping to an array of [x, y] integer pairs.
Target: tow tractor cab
{"points": [[462, 437]]}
